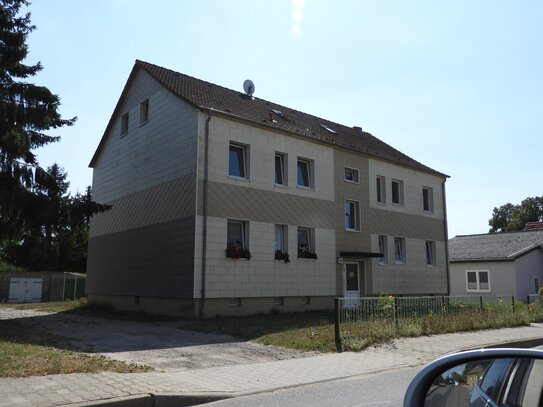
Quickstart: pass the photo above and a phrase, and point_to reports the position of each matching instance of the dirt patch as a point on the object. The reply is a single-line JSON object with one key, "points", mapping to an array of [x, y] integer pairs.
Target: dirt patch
{"points": [[161, 345]]}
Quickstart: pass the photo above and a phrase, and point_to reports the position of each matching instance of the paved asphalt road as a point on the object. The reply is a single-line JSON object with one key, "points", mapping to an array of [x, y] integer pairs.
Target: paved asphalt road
{"points": [[379, 390]]}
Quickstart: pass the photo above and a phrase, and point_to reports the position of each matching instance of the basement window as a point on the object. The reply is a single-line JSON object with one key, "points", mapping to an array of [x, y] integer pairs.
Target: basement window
{"points": [[235, 302], [279, 301]]}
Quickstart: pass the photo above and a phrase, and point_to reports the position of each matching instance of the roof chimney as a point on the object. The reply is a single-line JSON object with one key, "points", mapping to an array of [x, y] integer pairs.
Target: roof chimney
{"points": [[358, 129]]}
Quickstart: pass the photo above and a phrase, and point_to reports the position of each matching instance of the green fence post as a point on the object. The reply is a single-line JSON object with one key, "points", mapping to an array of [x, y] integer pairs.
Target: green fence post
{"points": [[396, 312], [513, 302], [337, 316], [481, 302]]}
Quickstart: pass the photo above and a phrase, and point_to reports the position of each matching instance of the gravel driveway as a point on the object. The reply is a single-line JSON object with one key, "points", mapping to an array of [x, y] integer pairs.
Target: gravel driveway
{"points": [[161, 345]]}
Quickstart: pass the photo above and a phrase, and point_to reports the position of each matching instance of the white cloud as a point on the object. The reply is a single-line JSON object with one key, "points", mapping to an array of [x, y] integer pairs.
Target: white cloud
{"points": [[296, 31], [296, 15]]}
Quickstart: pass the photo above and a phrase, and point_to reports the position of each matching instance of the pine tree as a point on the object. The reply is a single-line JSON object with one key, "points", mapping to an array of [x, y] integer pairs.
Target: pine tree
{"points": [[26, 112]]}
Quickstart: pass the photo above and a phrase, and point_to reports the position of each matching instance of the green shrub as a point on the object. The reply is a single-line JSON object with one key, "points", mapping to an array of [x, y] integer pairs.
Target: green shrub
{"points": [[9, 268]]}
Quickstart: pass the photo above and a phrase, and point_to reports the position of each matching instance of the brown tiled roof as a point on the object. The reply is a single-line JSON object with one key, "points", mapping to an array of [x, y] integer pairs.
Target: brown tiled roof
{"points": [[206, 95], [534, 226]]}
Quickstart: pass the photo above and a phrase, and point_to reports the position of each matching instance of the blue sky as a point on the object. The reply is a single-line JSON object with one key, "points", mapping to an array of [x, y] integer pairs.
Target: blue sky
{"points": [[455, 85]]}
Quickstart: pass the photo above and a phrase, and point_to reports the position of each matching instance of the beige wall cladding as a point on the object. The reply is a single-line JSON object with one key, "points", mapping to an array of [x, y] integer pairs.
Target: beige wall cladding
{"points": [[158, 151], [384, 222], [162, 203], [261, 146], [262, 275], [413, 182], [350, 241], [155, 261], [230, 201]]}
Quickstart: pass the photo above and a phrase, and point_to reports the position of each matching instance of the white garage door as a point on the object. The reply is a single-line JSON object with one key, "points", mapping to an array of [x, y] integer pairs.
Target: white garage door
{"points": [[25, 289]]}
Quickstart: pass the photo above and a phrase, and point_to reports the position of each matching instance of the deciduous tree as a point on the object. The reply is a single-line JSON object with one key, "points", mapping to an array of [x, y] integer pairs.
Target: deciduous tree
{"points": [[511, 218]]}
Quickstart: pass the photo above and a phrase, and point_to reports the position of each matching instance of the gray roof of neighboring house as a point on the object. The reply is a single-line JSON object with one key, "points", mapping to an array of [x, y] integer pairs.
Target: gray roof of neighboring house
{"points": [[208, 96], [494, 246]]}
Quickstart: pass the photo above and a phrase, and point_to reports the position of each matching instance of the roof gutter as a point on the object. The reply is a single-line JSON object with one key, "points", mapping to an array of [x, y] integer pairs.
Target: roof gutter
{"points": [[446, 234], [204, 226]]}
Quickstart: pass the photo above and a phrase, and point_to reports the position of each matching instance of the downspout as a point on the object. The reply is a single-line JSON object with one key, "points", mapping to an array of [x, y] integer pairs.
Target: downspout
{"points": [[204, 228], [446, 233]]}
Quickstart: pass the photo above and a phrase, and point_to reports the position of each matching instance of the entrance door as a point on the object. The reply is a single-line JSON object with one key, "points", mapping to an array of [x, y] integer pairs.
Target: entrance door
{"points": [[351, 280], [352, 284]]}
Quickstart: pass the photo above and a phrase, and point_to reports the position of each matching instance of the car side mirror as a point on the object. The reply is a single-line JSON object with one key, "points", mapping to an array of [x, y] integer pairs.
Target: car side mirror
{"points": [[486, 377]]}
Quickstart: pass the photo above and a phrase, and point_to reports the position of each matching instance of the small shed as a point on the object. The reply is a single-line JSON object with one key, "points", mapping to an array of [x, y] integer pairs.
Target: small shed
{"points": [[41, 286]]}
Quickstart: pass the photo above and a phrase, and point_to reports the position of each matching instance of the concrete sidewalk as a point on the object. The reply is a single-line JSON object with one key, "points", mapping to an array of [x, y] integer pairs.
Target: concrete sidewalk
{"points": [[195, 386]]}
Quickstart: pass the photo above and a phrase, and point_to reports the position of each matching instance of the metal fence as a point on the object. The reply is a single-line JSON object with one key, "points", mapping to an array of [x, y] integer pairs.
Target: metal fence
{"points": [[388, 310], [388, 307], [533, 299]]}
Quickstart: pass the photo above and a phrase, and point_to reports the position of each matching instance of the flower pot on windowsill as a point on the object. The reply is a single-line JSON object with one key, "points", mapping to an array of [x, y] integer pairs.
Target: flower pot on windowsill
{"points": [[245, 253], [236, 252], [232, 251], [305, 254], [279, 255]]}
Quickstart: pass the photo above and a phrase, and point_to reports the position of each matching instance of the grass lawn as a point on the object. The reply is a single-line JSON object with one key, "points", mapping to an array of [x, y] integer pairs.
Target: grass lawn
{"points": [[303, 331], [314, 331], [30, 351]]}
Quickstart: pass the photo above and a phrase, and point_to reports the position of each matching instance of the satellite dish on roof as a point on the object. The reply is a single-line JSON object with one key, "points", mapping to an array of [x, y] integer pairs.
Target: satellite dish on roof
{"points": [[249, 87]]}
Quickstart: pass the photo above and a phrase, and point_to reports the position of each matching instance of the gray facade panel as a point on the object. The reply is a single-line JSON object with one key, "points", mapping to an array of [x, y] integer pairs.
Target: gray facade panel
{"points": [[162, 203], [409, 281], [391, 223], [230, 201], [348, 241], [155, 260]]}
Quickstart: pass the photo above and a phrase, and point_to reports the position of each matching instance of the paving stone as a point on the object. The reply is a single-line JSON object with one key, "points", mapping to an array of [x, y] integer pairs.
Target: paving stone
{"points": [[79, 388]]}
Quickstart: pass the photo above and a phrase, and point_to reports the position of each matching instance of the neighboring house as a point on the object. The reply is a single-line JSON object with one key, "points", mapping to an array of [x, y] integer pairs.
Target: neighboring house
{"points": [[502, 264], [253, 206], [534, 226]]}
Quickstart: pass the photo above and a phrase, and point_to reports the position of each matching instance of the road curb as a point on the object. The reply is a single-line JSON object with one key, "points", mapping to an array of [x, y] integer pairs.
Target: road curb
{"points": [[136, 400], [192, 399]]}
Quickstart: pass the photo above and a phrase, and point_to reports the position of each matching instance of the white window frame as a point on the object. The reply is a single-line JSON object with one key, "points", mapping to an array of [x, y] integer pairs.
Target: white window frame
{"points": [[403, 250], [310, 173], [478, 281], [383, 248], [244, 232], [310, 240], [355, 174], [355, 214], [124, 123], [245, 158], [144, 112], [430, 247], [284, 173], [400, 191], [430, 192], [381, 198], [282, 230]]}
